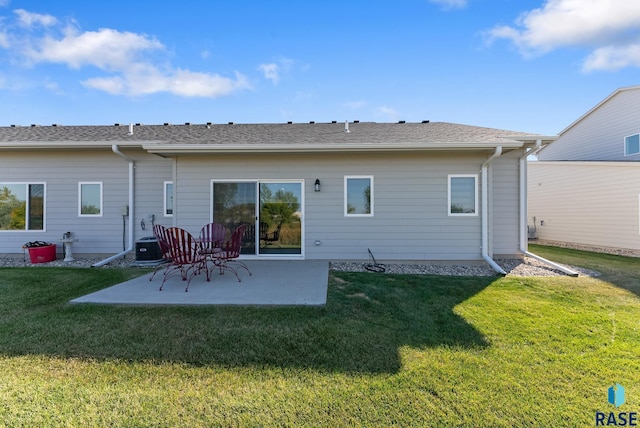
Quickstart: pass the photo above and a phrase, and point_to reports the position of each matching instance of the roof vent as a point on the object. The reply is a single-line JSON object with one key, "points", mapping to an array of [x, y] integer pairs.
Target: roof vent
{"points": [[130, 129], [230, 123], [54, 124], [312, 122], [137, 124], [13, 126], [334, 121], [425, 121], [346, 126], [402, 121], [209, 123], [289, 123], [116, 124], [33, 125], [356, 121], [187, 123], [167, 124]]}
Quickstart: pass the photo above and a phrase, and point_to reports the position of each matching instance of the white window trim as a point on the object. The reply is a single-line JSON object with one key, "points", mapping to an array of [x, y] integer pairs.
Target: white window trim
{"points": [[80, 184], [475, 196], [44, 208], [164, 205], [626, 153], [371, 195]]}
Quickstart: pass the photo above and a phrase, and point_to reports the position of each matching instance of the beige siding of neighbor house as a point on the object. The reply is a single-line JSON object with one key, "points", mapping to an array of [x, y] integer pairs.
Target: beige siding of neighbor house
{"points": [[592, 203], [410, 220], [600, 134], [62, 171]]}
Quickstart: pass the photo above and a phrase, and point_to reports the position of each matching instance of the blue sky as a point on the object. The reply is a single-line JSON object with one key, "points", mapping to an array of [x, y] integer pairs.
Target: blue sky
{"points": [[521, 65]]}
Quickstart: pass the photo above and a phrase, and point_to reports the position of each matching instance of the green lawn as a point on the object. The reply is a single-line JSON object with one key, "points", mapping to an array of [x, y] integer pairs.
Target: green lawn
{"points": [[387, 350]]}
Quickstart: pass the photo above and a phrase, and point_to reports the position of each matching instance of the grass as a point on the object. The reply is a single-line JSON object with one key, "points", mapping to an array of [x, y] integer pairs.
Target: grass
{"points": [[387, 350]]}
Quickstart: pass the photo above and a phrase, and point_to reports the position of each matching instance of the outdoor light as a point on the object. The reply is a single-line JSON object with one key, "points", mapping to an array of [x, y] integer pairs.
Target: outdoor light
{"points": [[317, 185]]}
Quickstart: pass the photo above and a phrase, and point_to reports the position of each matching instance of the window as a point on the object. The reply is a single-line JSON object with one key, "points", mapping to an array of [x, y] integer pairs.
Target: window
{"points": [[168, 199], [358, 196], [22, 206], [463, 195], [632, 145], [90, 200]]}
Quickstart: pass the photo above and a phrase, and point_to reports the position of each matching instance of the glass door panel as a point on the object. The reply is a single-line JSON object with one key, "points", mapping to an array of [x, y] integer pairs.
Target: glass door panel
{"points": [[280, 218], [234, 203]]}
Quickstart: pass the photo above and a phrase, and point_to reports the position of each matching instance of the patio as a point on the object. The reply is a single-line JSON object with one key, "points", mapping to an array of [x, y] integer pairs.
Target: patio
{"points": [[274, 282]]}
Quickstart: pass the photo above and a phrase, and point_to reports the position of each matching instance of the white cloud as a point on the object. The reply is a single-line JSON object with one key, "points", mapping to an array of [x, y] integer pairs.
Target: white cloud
{"points": [[124, 55], [355, 105], [106, 49], [4, 41], [270, 71], [28, 19], [450, 4], [389, 113], [145, 80], [275, 70], [607, 27], [613, 58]]}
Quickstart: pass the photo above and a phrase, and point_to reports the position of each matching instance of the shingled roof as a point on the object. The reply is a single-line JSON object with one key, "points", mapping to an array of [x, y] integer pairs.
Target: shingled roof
{"points": [[196, 138]]}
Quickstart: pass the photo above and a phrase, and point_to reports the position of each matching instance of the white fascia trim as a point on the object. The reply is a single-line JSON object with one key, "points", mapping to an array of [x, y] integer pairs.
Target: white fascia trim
{"points": [[317, 148]]}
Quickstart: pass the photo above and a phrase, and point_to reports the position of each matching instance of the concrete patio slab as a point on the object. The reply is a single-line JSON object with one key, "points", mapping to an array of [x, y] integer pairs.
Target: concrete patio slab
{"points": [[274, 282]]}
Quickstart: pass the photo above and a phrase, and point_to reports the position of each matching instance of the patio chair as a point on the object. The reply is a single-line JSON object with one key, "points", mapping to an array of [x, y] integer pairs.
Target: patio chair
{"points": [[186, 257], [227, 257], [160, 233], [212, 237]]}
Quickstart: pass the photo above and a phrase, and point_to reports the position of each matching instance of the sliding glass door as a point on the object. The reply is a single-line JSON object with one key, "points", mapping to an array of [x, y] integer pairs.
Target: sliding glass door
{"points": [[234, 203], [280, 218], [272, 211]]}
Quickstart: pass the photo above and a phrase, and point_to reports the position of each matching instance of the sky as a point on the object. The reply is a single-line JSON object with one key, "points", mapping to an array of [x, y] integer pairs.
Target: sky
{"points": [[522, 65]]}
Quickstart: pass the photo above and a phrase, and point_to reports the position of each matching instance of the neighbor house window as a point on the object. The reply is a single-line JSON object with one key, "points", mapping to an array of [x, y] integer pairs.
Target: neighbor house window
{"points": [[463, 195], [168, 198], [358, 196], [632, 145], [90, 199], [22, 206]]}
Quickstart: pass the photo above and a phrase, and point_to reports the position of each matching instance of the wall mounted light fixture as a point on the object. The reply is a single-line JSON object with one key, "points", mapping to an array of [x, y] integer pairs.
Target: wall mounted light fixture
{"points": [[317, 185]]}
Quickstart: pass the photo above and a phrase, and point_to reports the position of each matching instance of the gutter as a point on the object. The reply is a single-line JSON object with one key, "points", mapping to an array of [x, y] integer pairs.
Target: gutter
{"points": [[171, 149], [524, 236], [485, 212], [117, 151]]}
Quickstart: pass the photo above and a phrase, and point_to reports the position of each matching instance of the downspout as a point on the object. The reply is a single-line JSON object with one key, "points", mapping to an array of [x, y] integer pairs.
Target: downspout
{"points": [[117, 151], [485, 212], [524, 236]]}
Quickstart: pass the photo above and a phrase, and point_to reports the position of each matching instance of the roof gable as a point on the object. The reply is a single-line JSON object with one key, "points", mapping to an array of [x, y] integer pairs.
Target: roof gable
{"points": [[600, 104]]}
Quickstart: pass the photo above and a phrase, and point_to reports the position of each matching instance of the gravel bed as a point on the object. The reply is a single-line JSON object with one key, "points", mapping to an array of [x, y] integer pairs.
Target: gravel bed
{"points": [[79, 262], [514, 267]]}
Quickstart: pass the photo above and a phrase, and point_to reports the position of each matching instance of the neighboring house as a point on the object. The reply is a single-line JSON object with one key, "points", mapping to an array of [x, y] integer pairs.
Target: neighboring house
{"points": [[407, 191], [585, 187]]}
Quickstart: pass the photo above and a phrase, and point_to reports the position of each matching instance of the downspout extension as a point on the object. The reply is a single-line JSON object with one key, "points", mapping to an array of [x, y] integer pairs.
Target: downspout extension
{"points": [[524, 213], [485, 213], [117, 151]]}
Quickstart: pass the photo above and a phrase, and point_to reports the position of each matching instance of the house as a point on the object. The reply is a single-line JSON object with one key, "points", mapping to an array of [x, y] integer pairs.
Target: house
{"points": [[585, 187], [406, 191]]}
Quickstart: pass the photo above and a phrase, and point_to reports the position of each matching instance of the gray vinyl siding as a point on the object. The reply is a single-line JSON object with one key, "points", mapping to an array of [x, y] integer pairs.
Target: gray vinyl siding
{"points": [[62, 171], [591, 203], [410, 222], [505, 205], [600, 134], [410, 219]]}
